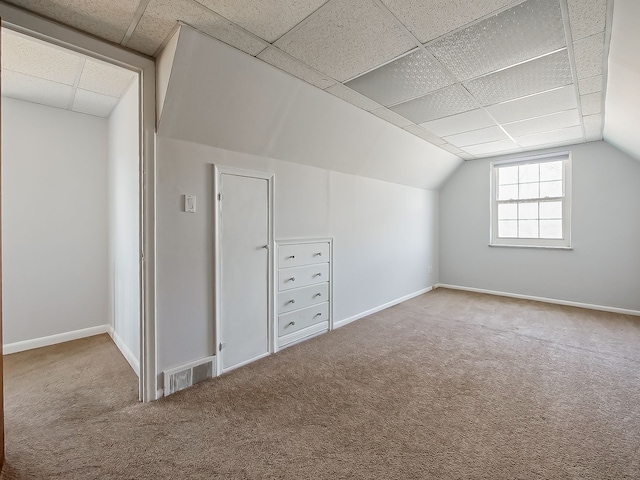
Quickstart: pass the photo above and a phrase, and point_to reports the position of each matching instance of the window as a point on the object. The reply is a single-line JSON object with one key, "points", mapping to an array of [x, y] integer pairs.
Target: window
{"points": [[531, 201]]}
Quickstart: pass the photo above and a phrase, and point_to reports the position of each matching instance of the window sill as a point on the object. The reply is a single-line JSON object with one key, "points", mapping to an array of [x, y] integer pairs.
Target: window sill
{"points": [[544, 247]]}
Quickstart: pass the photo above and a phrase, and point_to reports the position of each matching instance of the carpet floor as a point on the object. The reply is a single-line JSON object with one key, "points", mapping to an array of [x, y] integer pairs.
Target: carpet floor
{"points": [[448, 385]]}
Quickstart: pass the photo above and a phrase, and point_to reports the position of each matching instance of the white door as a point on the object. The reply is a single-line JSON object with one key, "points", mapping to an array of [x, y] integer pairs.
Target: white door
{"points": [[244, 269]]}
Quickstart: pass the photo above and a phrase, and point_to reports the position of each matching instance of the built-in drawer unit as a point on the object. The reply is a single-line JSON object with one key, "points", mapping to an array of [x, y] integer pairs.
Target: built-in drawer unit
{"points": [[296, 277], [303, 318], [303, 254], [297, 298]]}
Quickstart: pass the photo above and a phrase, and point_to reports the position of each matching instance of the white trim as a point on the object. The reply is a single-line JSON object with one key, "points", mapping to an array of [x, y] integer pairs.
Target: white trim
{"points": [[246, 362], [303, 334], [384, 306], [125, 350], [556, 301], [16, 347], [159, 393]]}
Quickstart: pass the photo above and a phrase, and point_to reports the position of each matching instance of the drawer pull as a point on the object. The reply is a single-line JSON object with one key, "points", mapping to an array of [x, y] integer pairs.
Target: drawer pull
{"points": [[317, 295], [319, 274], [319, 254], [292, 279], [290, 324], [291, 301], [317, 315], [291, 256]]}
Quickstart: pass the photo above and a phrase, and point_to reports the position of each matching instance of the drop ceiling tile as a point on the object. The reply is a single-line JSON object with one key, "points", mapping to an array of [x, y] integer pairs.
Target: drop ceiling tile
{"points": [[431, 138], [593, 127], [462, 122], [588, 54], [522, 32], [268, 19], [527, 78], [442, 103], [344, 39], [492, 148], [31, 57], [591, 104], [93, 103], [351, 96], [37, 90], [295, 67], [590, 85], [451, 149], [587, 17], [535, 105], [104, 18], [431, 19], [415, 129], [161, 16], [484, 135], [105, 79], [407, 77], [391, 117], [466, 156], [572, 134], [554, 121]]}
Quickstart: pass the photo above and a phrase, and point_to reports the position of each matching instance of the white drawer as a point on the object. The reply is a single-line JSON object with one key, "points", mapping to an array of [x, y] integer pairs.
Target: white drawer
{"points": [[302, 297], [302, 254], [303, 318], [295, 277]]}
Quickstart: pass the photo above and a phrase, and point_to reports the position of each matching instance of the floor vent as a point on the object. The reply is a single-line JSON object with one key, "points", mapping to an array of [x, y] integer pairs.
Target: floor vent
{"points": [[185, 376]]}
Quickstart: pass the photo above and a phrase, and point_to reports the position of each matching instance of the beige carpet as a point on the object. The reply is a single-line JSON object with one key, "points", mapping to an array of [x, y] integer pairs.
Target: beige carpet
{"points": [[449, 385]]}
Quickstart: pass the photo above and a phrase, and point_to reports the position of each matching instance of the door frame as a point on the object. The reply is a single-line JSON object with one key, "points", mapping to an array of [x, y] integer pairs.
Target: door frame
{"points": [[19, 20], [220, 170]]}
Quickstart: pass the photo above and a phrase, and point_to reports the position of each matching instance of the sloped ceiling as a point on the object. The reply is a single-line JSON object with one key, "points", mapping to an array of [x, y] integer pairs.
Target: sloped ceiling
{"points": [[474, 77]]}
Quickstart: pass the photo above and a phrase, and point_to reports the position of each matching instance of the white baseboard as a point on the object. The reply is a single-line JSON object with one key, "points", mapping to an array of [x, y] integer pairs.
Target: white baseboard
{"points": [[543, 299], [125, 350], [54, 339], [346, 321]]}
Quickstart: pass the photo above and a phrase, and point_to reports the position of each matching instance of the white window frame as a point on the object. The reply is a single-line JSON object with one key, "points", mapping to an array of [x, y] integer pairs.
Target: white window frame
{"points": [[563, 243]]}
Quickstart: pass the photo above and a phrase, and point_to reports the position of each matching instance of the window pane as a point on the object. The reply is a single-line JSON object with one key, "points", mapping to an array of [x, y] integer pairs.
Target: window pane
{"points": [[529, 190], [551, 189], [550, 210], [507, 175], [551, 171], [508, 192], [550, 228], [528, 211], [529, 173], [527, 228], [507, 229], [507, 211]]}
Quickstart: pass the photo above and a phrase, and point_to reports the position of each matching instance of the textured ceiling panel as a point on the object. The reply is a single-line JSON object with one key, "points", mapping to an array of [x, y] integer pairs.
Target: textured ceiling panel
{"points": [[587, 17], [295, 67], [588, 54], [344, 39], [430, 137], [593, 127], [463, 122], [591, 104], [268, 19], [37, 90], [391, 117], [415, 129], [590, 85], [105, 79], [536, 105], [429, 19], [474, 137], [554, 121], [403, 79], [535, 76], [161, 16], [93, 103], [520, 33], [572, 134], [501, 146], [451, 149], [353, 97], [445, 102]]}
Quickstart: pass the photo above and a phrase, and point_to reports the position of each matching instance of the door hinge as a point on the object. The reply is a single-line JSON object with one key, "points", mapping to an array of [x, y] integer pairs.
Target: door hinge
{"points": [[220, 347], [220, 196]]}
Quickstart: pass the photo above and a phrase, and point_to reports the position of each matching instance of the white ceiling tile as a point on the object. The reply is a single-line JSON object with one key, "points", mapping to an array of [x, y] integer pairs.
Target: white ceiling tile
{"points": [[432, 18], [344, 39], [591, 104], [572, 134], [587, 17], [527, 78], [391, 117], [268, 19], [105, 18], [535, 105], [93, 103], [32, 57], [484, 135], [451, 149], [466, 156], [590, 85], [431, 138], [492, 148], [407, 77], [523, 32], [463, 122], [105, 79], [588, 54], [161, 16], [37, 90], [295, 67], [442, 103], [554, 121], [593, 127], [415, 129], [351, 96]]}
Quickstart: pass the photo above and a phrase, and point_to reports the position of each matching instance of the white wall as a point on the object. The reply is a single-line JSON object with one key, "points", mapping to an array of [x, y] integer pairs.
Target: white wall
{"points": [[385, 238], [124, 225], [602, 269], [54, 221]]}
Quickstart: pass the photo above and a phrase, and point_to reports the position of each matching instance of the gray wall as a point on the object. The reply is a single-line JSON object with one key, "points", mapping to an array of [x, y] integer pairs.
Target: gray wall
{"points": [[602, 269]]}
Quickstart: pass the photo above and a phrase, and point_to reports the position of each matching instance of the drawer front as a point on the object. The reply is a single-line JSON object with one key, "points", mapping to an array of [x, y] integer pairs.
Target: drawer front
{"points": [[299, 319], [302, 254], [302, 297], [295, 277]]}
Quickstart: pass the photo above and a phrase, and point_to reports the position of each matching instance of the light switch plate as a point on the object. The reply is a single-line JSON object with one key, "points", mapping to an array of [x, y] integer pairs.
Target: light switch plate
{"points": [[190, 203]]}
